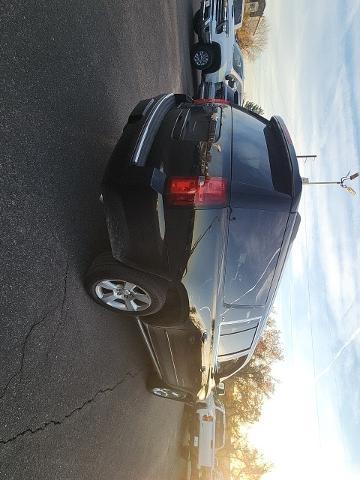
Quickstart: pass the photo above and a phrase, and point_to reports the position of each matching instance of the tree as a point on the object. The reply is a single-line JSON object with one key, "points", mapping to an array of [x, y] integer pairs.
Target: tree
{"points": [[246, 391], [244, 398], [252, 40], [253, 107], [242, 460], [248, 461]]}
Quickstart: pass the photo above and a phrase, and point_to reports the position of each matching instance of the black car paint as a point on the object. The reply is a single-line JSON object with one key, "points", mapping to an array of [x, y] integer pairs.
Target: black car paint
{"points": [[185, 247]]}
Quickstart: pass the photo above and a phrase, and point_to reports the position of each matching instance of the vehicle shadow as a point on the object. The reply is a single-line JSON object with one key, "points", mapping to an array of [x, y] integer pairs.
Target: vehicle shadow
{"points": [[183, 446]]}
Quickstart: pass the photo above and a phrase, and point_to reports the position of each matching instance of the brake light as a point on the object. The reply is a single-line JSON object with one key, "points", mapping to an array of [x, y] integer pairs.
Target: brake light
{"points": [[196, 191], [203, 101]]}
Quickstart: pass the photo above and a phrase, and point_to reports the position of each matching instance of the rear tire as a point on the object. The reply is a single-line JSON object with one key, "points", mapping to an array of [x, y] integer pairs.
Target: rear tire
{"points": [[123, 289]]}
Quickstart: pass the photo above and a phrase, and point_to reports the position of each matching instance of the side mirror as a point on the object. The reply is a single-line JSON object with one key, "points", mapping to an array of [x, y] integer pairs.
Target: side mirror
{"points": [[220, 388]]}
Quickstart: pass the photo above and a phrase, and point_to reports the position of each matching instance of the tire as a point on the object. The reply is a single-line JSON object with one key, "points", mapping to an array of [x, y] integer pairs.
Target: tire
{"points": [[197, 22], [158, 388], [202, 56], [123, 289]]}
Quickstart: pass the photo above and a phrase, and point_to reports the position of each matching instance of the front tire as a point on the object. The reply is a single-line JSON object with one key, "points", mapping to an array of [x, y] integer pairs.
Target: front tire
{"points": [[158, 388], [124, 289], [202, 56]]}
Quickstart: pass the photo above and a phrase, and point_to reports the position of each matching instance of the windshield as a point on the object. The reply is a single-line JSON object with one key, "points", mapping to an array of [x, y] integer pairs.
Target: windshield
{"points": [[236, 340]]}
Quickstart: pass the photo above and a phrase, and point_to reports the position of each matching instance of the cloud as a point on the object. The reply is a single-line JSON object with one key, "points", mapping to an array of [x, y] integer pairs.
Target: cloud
{"points": [[310, 75], [352, 338]]}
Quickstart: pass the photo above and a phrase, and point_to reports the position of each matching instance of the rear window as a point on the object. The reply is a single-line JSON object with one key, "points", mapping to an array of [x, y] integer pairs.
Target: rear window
{"points": [[250, 165], [259, 154], [255, 239]]}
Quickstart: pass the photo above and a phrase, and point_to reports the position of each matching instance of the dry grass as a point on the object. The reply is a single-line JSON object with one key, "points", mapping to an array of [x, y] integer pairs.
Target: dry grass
{"points": [[252, 43]]}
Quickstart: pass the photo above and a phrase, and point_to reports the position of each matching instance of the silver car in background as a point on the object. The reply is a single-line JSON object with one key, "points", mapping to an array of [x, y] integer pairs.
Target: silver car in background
{"points": [[217, 53]]}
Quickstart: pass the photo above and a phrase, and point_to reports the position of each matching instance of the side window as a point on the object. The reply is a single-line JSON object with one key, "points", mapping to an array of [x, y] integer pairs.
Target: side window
{"points": [[255, 239], [238, 61], [235, 340]]}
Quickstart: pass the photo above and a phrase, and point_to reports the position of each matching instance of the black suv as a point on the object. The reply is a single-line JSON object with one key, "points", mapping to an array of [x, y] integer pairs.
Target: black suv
{"points": [[201, 202]]}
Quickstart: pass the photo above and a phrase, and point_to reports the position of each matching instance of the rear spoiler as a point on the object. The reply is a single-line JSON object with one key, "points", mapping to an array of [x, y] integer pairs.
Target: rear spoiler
{"points": [[279, 124]]}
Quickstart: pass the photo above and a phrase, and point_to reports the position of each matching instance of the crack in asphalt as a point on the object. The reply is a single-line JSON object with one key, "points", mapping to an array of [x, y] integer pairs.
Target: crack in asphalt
{"points": [[45, 425], [19, 370], [23, 350], [63, 302]]}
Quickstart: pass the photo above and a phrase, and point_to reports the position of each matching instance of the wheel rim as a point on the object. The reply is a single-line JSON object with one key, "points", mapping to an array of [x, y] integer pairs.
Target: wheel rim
{"points": [[167, 393], [201, 58], [123, 295]]}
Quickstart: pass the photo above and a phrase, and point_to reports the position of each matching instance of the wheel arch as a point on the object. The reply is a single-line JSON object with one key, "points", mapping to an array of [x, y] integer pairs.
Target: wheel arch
{"points": [[106, 269], [176, 308], [217, 58]]}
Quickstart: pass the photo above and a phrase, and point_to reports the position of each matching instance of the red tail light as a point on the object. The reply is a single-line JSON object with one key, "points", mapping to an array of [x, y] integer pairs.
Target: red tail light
{"points": [[197, 191]]}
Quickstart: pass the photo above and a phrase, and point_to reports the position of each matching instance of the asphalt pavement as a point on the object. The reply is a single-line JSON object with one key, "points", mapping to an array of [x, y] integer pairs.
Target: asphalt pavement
{"points": [[73, 402]]}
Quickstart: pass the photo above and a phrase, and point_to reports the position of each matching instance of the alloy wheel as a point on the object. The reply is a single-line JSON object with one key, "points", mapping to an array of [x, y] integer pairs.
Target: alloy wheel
{"points": [[168, 393], [122, 295], [201, 58]]}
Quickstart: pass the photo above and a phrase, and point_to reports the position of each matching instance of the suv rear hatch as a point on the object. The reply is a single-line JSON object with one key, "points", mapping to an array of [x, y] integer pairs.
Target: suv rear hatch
{"points": [[263, 188]]}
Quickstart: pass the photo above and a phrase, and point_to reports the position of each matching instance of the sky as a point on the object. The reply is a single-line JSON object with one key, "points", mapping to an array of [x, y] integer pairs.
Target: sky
{"points": [[310, 75]]}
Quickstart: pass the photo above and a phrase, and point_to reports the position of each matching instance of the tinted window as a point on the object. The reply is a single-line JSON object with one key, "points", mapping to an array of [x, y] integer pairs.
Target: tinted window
{"points": [[236, 341], [255, 239], [251, 163], [260, 155], [238, 61]]}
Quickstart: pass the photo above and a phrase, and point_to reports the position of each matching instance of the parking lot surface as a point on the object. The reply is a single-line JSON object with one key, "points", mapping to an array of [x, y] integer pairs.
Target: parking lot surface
{"points": [[73, 402]]}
